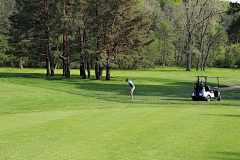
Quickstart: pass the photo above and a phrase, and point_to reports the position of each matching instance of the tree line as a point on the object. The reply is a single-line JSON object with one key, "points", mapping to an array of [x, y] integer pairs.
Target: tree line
{"points": [[195, 33], [128, 34]]}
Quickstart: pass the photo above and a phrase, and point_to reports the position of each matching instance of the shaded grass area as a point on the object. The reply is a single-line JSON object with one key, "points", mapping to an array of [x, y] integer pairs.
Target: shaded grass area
{"points": [[56, 118], [150, 90]]}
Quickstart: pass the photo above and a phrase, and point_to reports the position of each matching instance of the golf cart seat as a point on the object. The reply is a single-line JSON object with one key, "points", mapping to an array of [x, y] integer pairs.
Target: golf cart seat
{"points": [[207, 88]]}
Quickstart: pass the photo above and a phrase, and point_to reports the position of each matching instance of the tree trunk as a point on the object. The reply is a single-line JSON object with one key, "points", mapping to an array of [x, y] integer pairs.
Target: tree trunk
{"points": [[175, 56], [57, 66], [82, 68], [47, 37], [108, 73], [202, 61], [205, 61], [65, 69], [50, 57], [178, 57], [192, 57], [67, 64], [198, 63], [101, 70], [51, 64], [189, 54], [188, 45], [181, 61], [82, 64], [64, 53], [89, 56], [88, 66], [67, 72], [47, 59], [108, 70], [65, 57], [21, 63], [12, 63], [64, 44], [188, 62], [97, 69], [98, 47]]}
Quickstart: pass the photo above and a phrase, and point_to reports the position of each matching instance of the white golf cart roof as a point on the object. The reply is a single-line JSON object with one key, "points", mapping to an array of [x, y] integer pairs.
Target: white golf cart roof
{"points": [[208, 76]]}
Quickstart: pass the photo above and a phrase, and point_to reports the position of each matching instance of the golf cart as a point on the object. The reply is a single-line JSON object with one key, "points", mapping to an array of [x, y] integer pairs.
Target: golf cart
{"points": [[203, 92]]}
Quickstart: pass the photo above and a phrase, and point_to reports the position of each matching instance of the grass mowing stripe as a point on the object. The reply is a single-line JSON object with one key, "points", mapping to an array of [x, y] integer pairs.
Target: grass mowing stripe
{"points": [[136, 132]]}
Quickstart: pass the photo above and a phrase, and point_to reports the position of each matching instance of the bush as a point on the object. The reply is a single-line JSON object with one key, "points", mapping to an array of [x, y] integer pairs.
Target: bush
{"points": [[33, 64], [227, 63], [238, 63]]}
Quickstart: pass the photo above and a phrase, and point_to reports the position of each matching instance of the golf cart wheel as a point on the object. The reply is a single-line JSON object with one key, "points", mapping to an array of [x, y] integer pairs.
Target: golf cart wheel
{"points": [[208, 98], [194, 99], [219, 98]]}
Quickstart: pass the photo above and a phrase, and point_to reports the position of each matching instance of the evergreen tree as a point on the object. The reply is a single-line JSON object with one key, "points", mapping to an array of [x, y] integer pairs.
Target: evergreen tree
{"points": [[97, 12], [6, 9], [30, 27], [123, 31], [70, 28]]}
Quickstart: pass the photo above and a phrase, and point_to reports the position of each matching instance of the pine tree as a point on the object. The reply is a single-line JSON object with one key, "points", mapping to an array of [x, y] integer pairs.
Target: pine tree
{"points": [[30, 25], [6, 9], [120, 31], [23, 21], [71, 24], [97, 10], [49, 61]]}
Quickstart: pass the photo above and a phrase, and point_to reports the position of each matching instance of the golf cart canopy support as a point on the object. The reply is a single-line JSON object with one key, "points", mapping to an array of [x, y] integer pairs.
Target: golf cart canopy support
{"points": [[206, 79]]}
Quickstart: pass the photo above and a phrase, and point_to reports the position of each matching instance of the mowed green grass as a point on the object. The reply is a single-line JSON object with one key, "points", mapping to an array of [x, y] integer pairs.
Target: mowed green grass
{"points": [[56, 118]]}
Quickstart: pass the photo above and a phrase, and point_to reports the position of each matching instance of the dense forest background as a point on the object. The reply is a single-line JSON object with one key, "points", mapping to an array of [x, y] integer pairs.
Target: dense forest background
{"points": [[126, 34]]}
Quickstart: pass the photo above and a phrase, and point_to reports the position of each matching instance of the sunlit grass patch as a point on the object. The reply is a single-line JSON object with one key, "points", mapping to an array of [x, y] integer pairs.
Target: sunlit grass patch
{"points": [[56, 118]]}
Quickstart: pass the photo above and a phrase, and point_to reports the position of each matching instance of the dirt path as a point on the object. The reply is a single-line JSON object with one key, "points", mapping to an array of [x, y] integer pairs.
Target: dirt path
{"points": [[230, 88]]}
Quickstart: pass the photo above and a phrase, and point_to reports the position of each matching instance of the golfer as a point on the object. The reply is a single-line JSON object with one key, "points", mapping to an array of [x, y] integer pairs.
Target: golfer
{"points": [[132, 87]]}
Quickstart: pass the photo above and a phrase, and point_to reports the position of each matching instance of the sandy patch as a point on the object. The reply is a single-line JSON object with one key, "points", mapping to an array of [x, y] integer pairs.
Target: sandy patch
{"points": [[230, 88]]}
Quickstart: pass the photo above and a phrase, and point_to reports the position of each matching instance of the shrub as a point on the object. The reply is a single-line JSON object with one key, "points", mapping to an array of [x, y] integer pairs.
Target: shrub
{"points": [[227, 63], [33, 64]]}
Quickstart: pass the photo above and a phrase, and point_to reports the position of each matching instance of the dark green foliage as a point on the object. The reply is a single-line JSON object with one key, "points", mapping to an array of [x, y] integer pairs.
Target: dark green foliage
{"points": [[227, 63], [127, 34], [6, 9], [233, 8], [33, 64], [234, 28], [3, 49], [27, 29], [165, 2], [120, 30]]}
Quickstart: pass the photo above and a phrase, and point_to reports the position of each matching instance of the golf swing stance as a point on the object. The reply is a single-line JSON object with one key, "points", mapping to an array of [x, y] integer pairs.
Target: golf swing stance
{"points": [[132, 87]]}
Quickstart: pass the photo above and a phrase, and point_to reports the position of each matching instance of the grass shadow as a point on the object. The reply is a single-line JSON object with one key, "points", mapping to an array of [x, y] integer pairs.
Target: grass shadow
{"points": [[226, 155], [168, 89], [225, 115]]}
